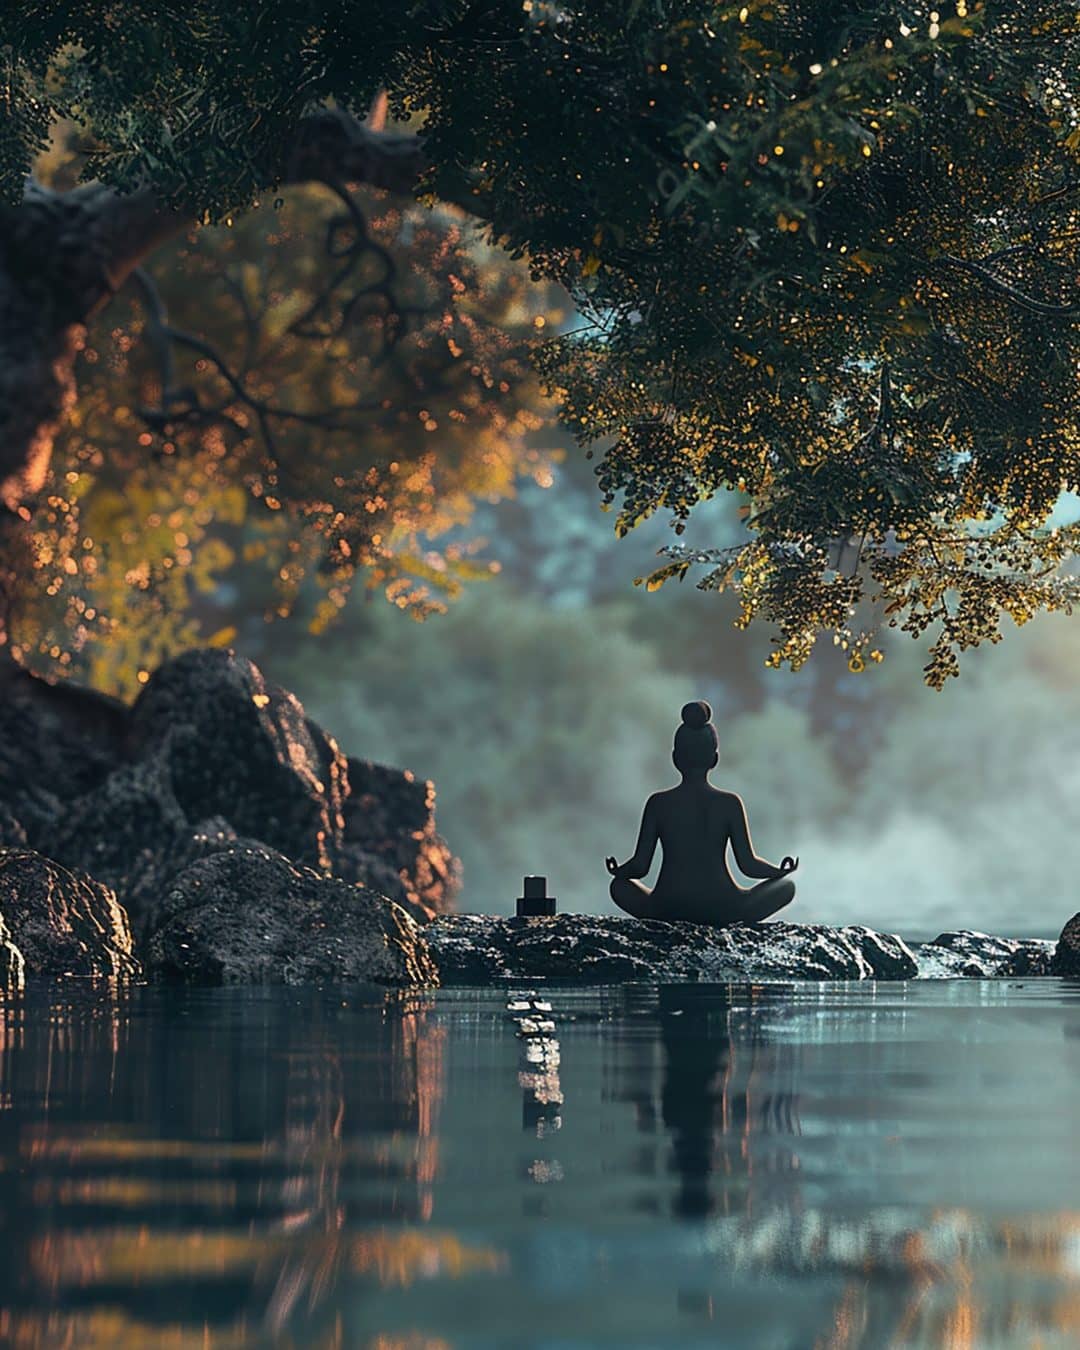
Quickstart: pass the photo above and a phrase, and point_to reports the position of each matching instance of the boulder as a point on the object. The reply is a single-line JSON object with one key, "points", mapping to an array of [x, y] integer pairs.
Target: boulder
{"points": [[247, 915], [973, 954], [390, 839], [356, 864], [589, 948], [1066, 958], [252, 757], [63, 922], [150, 879]]}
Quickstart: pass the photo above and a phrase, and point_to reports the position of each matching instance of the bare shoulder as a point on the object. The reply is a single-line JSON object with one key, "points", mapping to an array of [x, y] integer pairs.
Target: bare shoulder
{"points": [[729, 802]]}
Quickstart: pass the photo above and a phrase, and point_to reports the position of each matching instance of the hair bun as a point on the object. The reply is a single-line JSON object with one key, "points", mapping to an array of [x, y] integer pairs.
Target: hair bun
{"points": [[696, 714]]}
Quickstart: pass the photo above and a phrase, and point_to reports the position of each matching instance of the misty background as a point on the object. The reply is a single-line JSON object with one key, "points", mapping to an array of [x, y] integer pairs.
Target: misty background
{"points": [[543, 705]]}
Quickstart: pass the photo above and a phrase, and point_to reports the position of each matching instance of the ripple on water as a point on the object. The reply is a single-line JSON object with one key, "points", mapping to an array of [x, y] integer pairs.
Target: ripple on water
{"points": [[807, 1165]]}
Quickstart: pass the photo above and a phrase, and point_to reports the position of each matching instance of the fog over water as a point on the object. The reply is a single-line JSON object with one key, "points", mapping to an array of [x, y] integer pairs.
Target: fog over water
{"points": [[544, 704]]}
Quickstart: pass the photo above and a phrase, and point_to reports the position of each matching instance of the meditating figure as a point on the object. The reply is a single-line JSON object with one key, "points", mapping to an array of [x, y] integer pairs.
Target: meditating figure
{"points": [[695, 822]]}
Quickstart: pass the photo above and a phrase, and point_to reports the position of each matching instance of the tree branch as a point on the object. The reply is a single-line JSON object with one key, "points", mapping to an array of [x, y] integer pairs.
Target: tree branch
{"points": [[1010, 292], [64, 255], [183, 403]]}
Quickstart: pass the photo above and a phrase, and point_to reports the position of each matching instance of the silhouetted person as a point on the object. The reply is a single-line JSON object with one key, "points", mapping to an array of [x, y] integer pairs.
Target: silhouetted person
{"points": [[695, 822]]}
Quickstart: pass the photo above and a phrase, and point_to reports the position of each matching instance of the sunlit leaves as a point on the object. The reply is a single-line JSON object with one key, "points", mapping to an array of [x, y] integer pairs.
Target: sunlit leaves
{"points": [[401, 410], [824, 255]]}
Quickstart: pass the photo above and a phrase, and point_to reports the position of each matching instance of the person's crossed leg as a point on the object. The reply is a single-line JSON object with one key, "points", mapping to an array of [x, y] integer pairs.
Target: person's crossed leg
{"points": [[749, 906]]}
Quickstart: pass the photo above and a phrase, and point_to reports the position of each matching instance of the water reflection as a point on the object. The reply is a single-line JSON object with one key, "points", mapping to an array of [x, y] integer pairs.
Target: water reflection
{"points": [[164, 1165], [717, 1119], [634, 1167], [538, 1070]]}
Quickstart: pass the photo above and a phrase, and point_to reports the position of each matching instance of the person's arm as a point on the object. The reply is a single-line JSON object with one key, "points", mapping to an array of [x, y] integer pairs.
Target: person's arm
{"points": [[750, 865], [639, 864]]}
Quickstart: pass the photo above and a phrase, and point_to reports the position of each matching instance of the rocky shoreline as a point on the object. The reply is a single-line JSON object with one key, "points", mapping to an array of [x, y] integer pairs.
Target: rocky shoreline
{"points": [[212, 833], [478, 949]]}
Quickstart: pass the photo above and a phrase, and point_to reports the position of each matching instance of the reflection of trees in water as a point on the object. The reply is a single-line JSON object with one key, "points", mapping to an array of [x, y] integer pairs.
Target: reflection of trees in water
{"points": [[180, 1162]]}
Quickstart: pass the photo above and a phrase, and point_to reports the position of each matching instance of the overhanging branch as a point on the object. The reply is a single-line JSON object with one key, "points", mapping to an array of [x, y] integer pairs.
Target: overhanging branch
{"points": [[1010, 292], [64, 255]]}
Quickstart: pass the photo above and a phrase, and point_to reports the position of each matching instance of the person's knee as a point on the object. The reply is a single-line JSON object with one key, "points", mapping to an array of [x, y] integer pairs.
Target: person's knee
{"points": [[631, 897], [623, 892]]}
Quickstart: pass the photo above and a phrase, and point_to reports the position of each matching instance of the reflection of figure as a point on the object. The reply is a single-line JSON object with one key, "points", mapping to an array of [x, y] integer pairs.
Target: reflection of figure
{"points": [[694, 823], [716, 1122], [693, 1100]]}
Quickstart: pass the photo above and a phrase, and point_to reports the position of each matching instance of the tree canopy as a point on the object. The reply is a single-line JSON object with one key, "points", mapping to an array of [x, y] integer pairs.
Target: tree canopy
{"points": [[824, 254]]}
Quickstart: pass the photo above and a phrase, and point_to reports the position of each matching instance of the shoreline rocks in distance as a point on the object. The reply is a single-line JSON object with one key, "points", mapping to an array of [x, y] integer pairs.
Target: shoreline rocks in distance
{"points": [[479, 949]]}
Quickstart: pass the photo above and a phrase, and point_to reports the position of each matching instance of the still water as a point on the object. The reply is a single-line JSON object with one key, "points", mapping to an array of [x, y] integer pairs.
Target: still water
{"points": [[793, 1167]]}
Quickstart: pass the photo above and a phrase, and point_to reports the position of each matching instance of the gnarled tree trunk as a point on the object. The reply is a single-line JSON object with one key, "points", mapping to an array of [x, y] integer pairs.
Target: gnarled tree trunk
{"points": [[63, 255]]}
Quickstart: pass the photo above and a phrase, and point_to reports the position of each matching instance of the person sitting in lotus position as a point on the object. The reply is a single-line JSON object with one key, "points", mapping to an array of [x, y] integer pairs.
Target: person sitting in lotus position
{"points": [[695, 822]]}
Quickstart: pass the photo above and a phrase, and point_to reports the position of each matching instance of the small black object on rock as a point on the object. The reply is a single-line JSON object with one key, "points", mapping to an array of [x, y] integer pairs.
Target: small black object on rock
{"points": [[535, 899]]}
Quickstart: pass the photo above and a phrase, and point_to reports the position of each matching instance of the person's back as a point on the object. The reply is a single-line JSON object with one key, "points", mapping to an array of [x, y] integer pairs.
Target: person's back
{"points": [[695, 823]]}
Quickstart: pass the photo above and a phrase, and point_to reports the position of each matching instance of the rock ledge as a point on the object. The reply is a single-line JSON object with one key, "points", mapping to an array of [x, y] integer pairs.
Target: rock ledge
{"points": [[589, 948]]}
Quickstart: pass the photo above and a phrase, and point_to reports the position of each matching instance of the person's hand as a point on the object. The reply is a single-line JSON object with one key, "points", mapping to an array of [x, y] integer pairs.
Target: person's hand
{"points": [[788, 864], [611, 865]]}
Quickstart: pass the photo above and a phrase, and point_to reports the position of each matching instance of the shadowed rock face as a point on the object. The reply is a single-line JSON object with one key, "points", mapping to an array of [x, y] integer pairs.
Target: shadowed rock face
{"points": [[249, 916], [251, 755], [130, 822], [63, 923], [390, 839], [1066, 958], [476, 949]]}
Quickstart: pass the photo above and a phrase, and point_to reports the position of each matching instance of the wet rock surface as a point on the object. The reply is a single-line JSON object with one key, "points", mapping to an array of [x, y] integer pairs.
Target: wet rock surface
{"points": [[63, 922], [248, 915], [211, 754], [477, 949], [967, 953], [12, 965]]}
